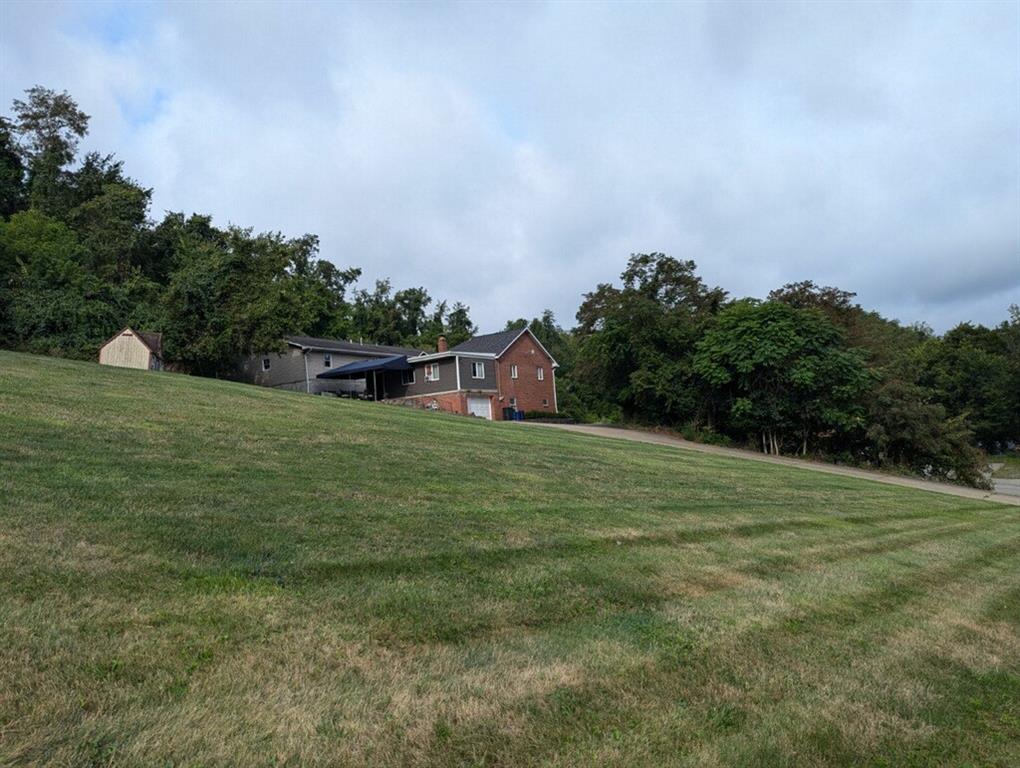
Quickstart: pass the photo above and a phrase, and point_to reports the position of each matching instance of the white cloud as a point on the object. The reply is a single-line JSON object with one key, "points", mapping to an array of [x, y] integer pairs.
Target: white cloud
{"points": [[513, 156]]}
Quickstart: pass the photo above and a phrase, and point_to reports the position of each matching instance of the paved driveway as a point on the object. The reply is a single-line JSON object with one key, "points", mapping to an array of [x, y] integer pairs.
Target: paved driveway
{"points": [[1002, 495]]}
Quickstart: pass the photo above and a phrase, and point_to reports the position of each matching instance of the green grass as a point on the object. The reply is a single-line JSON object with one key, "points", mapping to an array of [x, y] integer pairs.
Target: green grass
{"points": [[195, 572], [1010, 469]]}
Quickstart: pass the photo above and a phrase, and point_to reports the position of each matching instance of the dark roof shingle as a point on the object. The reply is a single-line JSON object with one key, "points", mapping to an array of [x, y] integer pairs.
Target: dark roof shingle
{"points": [[338, 345], [154, 341], [489, 343]]}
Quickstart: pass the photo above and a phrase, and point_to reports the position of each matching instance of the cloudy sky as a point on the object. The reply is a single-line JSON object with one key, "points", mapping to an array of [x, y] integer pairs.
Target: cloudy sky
{"points": [[513, 155]]}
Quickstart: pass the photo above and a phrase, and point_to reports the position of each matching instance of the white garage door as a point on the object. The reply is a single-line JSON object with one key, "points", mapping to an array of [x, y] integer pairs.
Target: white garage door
{"points": [[480, 406]]}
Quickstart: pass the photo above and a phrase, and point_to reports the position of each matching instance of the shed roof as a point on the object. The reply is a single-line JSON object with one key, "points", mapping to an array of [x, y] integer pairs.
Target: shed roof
{"points": [[393, 363]]}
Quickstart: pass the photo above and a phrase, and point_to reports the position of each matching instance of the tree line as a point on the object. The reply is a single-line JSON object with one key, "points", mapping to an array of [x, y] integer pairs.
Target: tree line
{"points": [[80, 258], [806, 370]]}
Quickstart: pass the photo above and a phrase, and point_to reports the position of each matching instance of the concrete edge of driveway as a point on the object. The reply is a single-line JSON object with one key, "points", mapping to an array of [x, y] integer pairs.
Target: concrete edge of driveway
{"points": [[638, 436]]}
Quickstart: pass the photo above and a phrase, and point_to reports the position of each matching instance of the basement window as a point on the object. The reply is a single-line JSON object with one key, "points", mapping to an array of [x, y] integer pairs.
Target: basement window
{"points": [[265, 363], [545, 402], [477, 370], [513, 402]]}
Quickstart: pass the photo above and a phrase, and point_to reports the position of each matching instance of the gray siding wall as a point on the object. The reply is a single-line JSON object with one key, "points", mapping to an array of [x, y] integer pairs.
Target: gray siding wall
{"points": [[447, 380], [487, 383], [287, 370]]}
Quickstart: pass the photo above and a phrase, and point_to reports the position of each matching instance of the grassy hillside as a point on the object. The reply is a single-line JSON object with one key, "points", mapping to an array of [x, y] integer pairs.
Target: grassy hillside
{"points": [[195, 572]]}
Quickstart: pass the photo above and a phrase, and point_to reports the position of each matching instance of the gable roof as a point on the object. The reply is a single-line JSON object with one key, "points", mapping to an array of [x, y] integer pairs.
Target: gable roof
{"points": [[152, 340], [350, 347], [489, 343], [496, 344]]}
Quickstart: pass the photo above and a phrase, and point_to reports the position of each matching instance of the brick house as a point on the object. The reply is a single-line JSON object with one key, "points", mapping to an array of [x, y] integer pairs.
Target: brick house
{"points": [[486, 376]]}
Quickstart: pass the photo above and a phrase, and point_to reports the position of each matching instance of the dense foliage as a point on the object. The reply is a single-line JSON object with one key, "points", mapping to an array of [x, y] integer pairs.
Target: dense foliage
{"points": [[80, 258], [807, 370]]}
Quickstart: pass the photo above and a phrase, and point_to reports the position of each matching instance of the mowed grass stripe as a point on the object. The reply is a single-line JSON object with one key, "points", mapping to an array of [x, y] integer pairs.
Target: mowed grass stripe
{"points": [[194, 572]]}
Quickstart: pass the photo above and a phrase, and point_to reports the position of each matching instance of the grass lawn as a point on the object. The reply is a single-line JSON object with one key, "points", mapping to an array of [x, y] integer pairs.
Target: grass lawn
{"points": [[1010, 469], [195, 572]]}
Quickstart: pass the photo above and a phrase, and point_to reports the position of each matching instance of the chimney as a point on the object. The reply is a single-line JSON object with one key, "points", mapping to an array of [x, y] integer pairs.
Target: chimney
{"points": [[441, 345]]}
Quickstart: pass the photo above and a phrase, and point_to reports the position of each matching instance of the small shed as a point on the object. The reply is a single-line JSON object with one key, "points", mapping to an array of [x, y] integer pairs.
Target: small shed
{"points": [[133, 349]]}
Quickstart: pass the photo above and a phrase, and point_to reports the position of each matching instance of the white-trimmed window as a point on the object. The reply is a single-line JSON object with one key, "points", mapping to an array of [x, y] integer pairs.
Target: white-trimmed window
{"points": [[477, 370], [265, 363], [407, 377], [540, 372], [513, 371], [431, 371], [513, 402], [327, 359], [545, 402]]}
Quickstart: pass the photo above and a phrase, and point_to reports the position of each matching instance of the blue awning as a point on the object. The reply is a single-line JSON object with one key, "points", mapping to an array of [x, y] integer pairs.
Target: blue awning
{"points": [[394, 363]]}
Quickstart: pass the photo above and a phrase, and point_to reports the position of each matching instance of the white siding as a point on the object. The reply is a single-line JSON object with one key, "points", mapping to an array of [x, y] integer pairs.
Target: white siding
{"points": [[125, 351]]}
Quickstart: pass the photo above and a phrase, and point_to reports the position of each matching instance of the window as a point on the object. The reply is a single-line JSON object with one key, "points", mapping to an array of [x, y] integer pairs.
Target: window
{"points": [[477, 370], [513, 371], [327, 360], [431, 371], [545, 402], [265, 363], [513, 402], [407, 377], [541, 374]]}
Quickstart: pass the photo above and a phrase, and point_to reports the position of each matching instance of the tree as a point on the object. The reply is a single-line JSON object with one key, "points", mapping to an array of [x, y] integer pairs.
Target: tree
{"points": [[110, 226], [883, 341], [781, 373], [635, 343], [905, 430], [12, 172], [973, 374], [458, 325], [49, 126], [233, 297], [53, 303]]}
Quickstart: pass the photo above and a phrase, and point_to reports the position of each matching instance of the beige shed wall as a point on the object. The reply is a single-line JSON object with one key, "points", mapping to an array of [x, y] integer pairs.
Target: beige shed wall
{"points": [[125, 351]]}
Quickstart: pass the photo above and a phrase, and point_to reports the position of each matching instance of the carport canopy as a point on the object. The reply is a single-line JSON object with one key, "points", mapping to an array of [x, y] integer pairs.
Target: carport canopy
{"points": [[393, 363]]}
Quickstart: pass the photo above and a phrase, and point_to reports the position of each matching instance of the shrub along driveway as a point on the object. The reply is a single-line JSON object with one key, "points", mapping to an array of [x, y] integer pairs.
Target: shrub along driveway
{"points": [[1005, 494]]}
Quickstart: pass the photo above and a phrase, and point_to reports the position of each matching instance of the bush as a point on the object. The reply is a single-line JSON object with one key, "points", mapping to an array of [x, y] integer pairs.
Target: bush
{"points": [[702, 435], [546, 416]]}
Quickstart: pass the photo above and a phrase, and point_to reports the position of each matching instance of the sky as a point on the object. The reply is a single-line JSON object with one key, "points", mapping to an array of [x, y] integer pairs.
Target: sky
{"points": [[512, 156]]}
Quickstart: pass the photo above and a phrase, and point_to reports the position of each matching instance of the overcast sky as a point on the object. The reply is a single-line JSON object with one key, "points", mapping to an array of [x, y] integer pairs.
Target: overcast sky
{"points": [[512, 156]]}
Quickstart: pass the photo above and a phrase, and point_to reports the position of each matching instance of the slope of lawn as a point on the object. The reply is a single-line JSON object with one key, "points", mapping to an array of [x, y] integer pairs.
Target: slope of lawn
{"points": [[196, 572]]}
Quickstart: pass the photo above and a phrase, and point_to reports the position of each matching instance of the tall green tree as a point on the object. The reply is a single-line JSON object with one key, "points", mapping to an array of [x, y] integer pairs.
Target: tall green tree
{"points": [[54, 304], [234, 297], [48, 126], [458, 324], [636, 342], [12, 172], [782, 374], [972, 372]]}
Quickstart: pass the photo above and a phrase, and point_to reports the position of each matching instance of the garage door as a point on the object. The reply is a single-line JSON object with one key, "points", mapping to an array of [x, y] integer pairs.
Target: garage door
{"points": [[480, 406]]}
